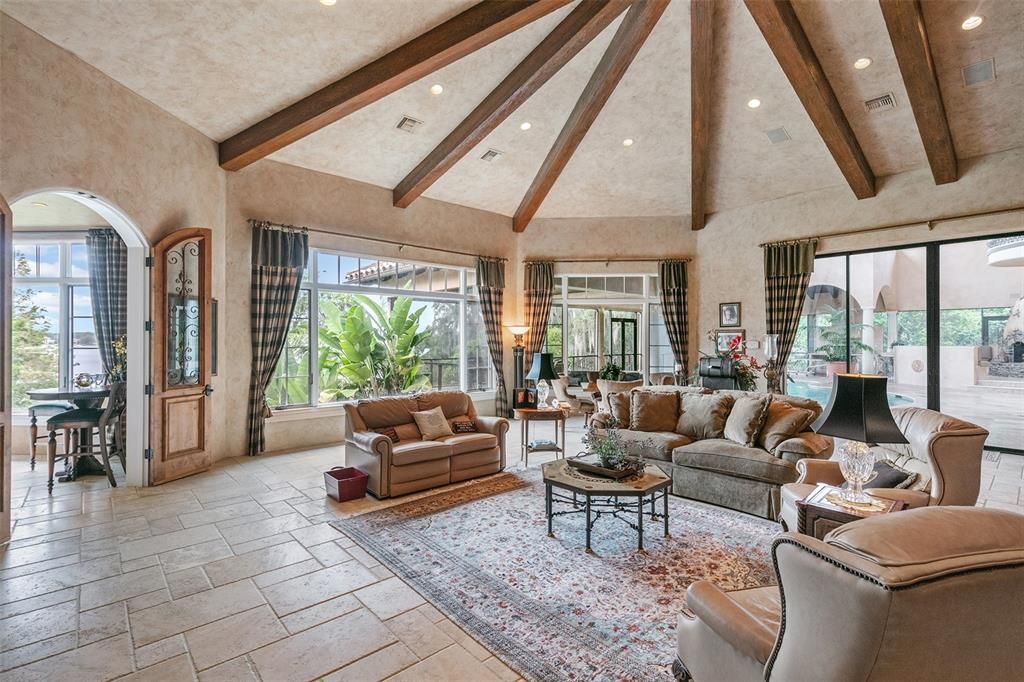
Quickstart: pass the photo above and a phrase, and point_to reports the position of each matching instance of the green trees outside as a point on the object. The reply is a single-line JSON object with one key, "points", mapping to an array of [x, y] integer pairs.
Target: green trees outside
{"points": [[33, 343]]}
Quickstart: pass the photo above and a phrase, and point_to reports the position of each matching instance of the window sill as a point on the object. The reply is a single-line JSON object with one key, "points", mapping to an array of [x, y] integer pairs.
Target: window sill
{"points": [[292, 414]]}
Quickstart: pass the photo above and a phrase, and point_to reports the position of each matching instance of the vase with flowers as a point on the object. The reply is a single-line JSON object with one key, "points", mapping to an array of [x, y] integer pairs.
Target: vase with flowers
{"points": [[746, 366], [119, 370]]}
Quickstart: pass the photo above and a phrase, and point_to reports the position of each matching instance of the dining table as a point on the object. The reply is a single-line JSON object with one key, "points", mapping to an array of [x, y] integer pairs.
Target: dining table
{"points": [[88, 397]]}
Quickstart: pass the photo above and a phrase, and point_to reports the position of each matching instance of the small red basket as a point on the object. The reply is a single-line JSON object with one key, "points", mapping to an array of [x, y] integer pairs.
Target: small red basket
{"points": [[345, 483]]}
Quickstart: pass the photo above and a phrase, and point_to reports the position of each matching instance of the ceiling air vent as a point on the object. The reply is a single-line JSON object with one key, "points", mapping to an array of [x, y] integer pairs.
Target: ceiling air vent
{"points": [[884, 102], [778, 135], [491, 155], [979, 72], [409, 124]]}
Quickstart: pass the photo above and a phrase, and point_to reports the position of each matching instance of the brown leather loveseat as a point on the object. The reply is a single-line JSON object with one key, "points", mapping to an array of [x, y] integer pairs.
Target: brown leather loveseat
{"points": [[412, 464]]}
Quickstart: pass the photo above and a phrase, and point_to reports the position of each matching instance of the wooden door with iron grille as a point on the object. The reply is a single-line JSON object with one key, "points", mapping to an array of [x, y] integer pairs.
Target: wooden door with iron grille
{"points": [[6, 288], [182, 352]]}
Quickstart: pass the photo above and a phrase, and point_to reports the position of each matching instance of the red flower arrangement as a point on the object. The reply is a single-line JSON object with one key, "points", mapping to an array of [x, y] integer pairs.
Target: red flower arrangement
{"points": [[747, 366]]}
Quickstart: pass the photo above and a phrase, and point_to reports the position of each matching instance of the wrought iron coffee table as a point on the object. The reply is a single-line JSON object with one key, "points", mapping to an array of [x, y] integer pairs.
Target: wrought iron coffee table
{"points": [[596, 496]]}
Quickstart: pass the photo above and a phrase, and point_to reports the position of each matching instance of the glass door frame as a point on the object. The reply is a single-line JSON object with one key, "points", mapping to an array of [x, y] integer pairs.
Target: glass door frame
{"points": [[932, 308]]}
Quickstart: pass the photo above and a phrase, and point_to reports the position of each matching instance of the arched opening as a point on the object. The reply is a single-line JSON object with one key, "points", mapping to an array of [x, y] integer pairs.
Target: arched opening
{"points": [[54, 223]]}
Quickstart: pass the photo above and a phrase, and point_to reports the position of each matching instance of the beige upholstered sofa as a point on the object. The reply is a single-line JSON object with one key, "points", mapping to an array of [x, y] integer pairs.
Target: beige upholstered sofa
{"points": [[412, 463], [705, 464], [935, 593], [944, 452]]}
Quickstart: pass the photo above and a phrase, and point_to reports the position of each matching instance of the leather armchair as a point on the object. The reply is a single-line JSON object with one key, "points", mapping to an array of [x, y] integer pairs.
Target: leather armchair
{"points": [[944, 451], [926, 594]]}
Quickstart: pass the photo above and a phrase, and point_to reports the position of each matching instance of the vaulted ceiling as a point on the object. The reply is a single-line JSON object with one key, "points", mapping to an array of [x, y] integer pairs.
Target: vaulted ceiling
{"points": [[224, 65]]}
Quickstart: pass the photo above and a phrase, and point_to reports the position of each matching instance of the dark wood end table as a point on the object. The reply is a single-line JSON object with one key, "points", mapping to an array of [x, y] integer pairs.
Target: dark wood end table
{"points": [[817, 516], [525, 415]]}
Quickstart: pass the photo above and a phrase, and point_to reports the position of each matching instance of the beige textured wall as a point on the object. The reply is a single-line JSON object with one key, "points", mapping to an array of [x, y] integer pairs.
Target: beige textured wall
{"points": [[292, 195]]}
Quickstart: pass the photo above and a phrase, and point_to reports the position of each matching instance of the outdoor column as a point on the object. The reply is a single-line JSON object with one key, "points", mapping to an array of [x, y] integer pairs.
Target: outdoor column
{"points": [[867, 362]]}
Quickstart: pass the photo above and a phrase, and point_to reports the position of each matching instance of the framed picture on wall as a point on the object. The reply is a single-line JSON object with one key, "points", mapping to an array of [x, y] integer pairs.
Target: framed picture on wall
{"points": [[729, 314], [724, 338]]}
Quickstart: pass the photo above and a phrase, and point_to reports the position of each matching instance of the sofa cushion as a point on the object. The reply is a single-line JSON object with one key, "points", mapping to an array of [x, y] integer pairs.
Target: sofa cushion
{"points": [[462, 443], [726, 457], [462, 425], [432, 423], [390, 432], [888, 476], [703, 416], [746, 418], [783, 420], [452, 403], [416, 451], [652, 445], [650, 411], [381, 412], [408, 432], [803, 403], [618, 403]]}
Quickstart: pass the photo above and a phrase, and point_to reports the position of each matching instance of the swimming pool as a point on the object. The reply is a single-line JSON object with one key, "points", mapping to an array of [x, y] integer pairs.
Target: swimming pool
{"points": [[822, 393]]}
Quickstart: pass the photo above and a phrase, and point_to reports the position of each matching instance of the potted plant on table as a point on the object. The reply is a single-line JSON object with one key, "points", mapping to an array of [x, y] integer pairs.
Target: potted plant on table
{"points": [[609, 455]]}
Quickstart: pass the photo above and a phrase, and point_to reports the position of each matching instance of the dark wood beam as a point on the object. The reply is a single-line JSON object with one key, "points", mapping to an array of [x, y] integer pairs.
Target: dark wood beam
{"points": [[629, 38], [461, 35], [581, 26], [909, 39], [702, 14], [785, 36]]}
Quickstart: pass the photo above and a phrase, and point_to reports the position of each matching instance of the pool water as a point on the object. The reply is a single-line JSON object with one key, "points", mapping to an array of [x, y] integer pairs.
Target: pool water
{"points": [[822, 393]]}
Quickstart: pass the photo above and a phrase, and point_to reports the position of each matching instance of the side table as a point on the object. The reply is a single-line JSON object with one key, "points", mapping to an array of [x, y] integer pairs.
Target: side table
{"points": [[525, 415], [817, 516]]}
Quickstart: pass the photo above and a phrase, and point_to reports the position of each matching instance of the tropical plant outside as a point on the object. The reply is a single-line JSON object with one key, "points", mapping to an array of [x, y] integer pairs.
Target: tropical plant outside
{"points": [[34, 346]]}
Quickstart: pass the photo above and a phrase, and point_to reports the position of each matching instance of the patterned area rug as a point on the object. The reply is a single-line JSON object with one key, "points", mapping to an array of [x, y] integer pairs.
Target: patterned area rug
{"points": [[550, 611]]}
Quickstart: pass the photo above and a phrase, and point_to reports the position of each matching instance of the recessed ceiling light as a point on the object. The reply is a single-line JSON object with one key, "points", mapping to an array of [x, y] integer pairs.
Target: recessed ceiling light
{"points": [[328, 3], [754, 103], [39, 204], [525, 125], [628, 142], [436, 89], [971, 23], [862, 63]]}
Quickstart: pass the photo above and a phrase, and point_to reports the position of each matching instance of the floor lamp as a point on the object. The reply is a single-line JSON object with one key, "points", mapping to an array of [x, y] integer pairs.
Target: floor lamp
{"points": [[518, 332]]}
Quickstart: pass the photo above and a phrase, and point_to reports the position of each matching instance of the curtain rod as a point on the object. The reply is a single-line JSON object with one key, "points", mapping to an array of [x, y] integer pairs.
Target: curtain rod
{"points": [[609, 260], [379, 240], [895, 226]]}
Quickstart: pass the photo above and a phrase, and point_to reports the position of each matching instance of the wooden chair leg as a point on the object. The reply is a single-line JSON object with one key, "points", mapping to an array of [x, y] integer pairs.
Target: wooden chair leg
{"points": [[33, 432], [105, 453], [67, 442], [51, 456]]}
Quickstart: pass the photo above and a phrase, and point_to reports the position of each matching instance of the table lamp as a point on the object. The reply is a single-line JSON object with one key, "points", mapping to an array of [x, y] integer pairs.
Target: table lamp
{"points": [[858, 411], [542, 372], [518, 331]]}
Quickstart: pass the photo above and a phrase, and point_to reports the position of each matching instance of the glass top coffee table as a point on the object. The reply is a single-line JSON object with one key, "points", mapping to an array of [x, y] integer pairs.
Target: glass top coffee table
{"points": [[595, 496]]}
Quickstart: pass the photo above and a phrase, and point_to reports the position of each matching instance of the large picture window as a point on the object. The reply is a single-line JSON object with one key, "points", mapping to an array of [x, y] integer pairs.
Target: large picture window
{"points": [[382, 327]]}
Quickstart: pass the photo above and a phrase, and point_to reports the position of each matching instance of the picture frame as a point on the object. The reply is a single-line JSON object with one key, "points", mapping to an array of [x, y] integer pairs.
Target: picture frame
{"points": [[724, 336], [525, 398], [730, 314]]}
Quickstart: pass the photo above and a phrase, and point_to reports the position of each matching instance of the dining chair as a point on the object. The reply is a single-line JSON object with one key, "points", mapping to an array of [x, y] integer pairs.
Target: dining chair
{"points": [[95, 424], [45, 410]]}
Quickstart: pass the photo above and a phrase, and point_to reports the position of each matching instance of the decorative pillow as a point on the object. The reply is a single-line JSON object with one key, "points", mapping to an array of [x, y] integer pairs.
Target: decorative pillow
{"points": [[390, 432], [432, 424], [618, 404], [650, 411], [782, 422], [746, 419], [463, 426], [887, 475], [703, 415]]}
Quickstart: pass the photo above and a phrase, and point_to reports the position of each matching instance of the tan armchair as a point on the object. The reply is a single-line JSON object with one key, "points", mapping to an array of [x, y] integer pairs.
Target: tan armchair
{"points": [[945, 453], [927, 594]]}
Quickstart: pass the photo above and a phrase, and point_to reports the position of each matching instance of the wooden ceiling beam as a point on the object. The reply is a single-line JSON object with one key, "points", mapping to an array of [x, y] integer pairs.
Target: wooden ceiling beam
{"points": [[786, 38], [701, 63], [629, 38], [461, 35], [574, 33], [905, 22]]}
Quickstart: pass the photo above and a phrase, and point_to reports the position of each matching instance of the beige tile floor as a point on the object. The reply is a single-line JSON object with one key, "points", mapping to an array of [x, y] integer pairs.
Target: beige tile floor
{"points": [[235, 575]]}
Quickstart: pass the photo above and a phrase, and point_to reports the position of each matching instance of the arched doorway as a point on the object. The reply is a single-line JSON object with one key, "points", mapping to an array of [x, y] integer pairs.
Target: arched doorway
{"points": [[137, 306]]}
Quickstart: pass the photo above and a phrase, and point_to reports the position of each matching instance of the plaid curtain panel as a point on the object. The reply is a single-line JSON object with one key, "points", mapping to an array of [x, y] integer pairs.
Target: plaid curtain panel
{"points": [[672, 280], [278, 258], [538, 294], [787, 272], [490, 283], [108, 286]]}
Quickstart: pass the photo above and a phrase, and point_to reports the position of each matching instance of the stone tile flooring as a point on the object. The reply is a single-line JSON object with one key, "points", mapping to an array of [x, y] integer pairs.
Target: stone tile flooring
{"points": [[234, 574]]}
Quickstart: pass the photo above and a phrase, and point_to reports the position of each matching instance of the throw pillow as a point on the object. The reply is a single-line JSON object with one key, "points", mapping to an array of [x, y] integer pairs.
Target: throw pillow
{"points": [[463, 426], [888, 475], [703, 415], [746, 418], [618, 404], [782, 422], [650, 411], [432, 424], [390, 432]]}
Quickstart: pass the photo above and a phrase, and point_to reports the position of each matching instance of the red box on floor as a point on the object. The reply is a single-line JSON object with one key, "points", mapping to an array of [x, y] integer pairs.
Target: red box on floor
{"points": [[345, 483]]}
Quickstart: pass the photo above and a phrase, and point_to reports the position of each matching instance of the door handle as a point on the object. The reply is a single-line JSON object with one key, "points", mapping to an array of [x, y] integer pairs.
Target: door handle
{"points": [[207, 390]]}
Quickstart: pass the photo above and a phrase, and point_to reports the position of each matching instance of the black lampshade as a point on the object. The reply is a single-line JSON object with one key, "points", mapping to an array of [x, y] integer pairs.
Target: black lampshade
{"points": [[542, 368], [858, 409]]}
